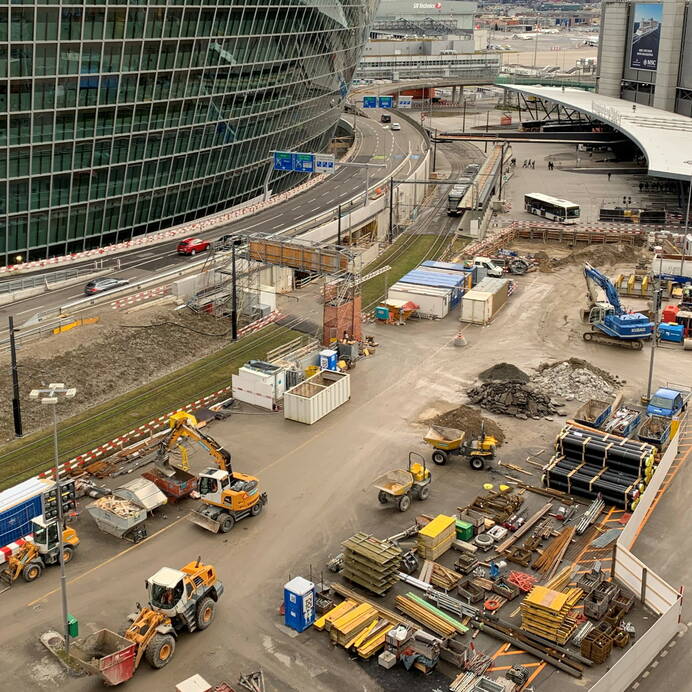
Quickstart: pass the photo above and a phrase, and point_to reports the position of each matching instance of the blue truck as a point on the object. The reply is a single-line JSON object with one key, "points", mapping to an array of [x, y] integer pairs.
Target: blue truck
{"points": [[667, 402]]}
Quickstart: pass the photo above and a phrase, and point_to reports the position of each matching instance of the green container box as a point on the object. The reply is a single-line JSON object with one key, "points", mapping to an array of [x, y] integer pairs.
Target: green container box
{"points": [[464, 530], [72, 626]]}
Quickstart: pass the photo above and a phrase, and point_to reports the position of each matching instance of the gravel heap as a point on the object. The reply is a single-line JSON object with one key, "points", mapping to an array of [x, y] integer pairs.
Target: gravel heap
{"points": [[502, 372], [513, 399], [575, 379]]}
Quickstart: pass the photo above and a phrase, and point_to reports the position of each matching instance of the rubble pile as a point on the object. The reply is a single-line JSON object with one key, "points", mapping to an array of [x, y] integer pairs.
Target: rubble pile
{"points": [[575, 379], [512, 399]]}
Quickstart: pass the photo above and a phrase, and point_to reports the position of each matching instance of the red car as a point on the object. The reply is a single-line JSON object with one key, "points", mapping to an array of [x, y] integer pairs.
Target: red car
{"points": [[191, 246]]}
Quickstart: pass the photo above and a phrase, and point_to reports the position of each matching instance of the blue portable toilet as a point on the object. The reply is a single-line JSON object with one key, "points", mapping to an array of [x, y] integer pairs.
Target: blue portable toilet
{"points": [[328, 359], [299, 604]]}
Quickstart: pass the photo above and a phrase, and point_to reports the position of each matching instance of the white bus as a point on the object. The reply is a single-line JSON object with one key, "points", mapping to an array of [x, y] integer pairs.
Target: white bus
{"points": [[551, 208]]}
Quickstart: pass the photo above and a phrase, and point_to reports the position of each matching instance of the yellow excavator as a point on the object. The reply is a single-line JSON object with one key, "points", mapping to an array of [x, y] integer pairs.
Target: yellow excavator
{"points": [[32, 558], [179, 600], [226, 496]]}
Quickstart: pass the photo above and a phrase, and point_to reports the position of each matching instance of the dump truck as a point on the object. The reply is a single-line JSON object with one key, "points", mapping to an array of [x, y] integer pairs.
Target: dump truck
{"points": [[181, 600]]}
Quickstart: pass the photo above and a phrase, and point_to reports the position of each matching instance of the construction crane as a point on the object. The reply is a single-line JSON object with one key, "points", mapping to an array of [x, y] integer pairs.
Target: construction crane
{"points": [[610, 322], [226, 496], [33, 557], [179, 600]]}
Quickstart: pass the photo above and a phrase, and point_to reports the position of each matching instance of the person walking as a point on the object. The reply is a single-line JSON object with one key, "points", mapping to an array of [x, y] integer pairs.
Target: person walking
{"points": [[641, 187], [533, 163], [609, 174]]}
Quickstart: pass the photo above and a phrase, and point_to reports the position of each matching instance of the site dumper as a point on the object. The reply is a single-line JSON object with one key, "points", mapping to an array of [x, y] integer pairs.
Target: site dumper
{"points": [[447, 442], [119, 518], [400, 485]]}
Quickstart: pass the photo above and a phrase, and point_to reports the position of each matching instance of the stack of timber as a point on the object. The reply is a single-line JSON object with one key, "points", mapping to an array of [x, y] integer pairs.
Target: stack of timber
{"points": [[434, 573], [436, 537], [552, 555], [356, 626], [433, 618], [588, 461], [546, 613], [370, 562]]}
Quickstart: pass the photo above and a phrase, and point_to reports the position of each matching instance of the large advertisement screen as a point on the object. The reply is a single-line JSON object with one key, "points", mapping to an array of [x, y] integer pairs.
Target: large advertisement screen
{"points": [[646, 35]]}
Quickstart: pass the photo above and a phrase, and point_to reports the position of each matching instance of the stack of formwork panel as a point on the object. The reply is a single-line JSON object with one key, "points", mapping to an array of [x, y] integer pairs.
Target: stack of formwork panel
{"points": [[347, 627], [370, 562], [437, 537], [546, 613]]}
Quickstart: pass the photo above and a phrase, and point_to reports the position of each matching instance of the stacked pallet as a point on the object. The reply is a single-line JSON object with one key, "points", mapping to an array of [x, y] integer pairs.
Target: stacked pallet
{"points": [[437, 537], [546, 613], [370, 562]]}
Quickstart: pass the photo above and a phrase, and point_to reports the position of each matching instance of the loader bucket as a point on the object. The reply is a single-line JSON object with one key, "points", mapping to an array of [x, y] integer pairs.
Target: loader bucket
{"points": [[107, 655]]}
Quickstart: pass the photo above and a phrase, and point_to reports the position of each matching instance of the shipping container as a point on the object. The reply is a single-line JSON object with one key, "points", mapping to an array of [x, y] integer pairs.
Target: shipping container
{"points": [[431, 301], [317, 396], [476, 307], [19, 505]]}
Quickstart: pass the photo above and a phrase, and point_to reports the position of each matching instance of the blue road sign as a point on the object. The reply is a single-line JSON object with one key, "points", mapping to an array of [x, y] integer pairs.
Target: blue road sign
{"points": [[304, 163], [283, 161], [386, 101], [369, 101]]}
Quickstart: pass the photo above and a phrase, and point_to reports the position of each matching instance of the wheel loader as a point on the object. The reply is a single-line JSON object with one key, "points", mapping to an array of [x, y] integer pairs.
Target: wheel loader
{"points": [[181, 600], [33, 557]]}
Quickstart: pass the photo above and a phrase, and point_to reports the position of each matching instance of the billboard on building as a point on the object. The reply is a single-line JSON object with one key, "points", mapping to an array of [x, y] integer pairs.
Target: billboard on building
{"points": [[646, 35]]}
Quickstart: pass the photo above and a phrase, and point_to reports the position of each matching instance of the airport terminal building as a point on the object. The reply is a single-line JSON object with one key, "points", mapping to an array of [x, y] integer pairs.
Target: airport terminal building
{"points": [[645, 53], [121, 119]]}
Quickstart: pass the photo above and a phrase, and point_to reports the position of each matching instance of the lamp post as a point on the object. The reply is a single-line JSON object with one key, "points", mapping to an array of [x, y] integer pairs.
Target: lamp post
{"points": [[234, 295], [51, 397]]}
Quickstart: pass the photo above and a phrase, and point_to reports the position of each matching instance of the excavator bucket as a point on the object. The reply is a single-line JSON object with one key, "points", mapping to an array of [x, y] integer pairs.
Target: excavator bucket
{"points": [[107, 655]]}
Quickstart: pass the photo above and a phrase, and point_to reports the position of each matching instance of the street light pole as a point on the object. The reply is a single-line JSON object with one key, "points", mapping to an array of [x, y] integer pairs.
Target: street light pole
{"points": [[50, 397], [234, 292]]}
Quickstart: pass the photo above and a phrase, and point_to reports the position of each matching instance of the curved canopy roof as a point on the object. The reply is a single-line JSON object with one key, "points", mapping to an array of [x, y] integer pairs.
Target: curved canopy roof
{"points": [[664, 138]]}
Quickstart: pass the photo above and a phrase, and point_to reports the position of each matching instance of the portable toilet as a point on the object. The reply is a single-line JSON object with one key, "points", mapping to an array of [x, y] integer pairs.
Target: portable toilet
{"points": [[299, 604], [328, 358]]}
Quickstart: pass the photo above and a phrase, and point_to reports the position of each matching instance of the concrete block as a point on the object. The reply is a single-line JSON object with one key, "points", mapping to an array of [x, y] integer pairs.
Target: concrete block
{"points": [[387, 660]]}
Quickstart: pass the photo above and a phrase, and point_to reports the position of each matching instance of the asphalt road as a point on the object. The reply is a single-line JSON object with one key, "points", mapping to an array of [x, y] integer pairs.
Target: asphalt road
{"points": [[377, 144]]}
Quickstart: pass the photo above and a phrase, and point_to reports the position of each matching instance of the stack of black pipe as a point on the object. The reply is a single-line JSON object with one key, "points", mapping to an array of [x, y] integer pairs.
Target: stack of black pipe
{"points": [[588, 462]]}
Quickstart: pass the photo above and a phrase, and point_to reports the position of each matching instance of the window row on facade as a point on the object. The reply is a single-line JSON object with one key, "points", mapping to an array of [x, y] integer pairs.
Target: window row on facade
{"points": [[96, 24]]}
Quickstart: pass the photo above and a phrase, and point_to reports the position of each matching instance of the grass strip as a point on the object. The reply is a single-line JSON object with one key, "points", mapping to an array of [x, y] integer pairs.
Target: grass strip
{"points": [[24, 458]]}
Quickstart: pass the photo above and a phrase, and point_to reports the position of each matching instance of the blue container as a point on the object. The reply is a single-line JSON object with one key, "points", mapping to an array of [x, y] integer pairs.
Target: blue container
{"points": [[671, 332], [382, 312], [328, 359], [299, 604], [18, 506]]}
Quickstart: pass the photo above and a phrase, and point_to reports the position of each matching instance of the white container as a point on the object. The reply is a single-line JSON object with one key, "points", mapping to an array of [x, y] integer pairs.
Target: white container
{"points": [[259, 387], [432, 300], [317, 396], [476, 307]]}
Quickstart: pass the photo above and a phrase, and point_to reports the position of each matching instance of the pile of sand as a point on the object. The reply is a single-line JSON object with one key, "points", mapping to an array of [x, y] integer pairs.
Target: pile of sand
{"points": [[471, 422], [503, 372]]}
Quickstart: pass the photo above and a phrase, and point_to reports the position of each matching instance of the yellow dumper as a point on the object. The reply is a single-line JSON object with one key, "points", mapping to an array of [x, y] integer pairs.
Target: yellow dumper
{"points": [[400, 485], [450, 441]]}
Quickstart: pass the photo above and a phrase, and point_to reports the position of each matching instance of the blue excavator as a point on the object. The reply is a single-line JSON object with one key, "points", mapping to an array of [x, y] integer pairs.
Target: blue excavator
{"points": [[610, 322]]}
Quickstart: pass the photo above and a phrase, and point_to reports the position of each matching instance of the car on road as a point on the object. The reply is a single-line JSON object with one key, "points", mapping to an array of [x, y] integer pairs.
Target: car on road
{"points": [[225, 242], [395, 126], [385, 118], [104, 284], [191, 246]]}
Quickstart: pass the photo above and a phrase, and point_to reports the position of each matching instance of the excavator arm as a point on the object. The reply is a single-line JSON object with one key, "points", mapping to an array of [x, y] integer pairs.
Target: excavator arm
{"points": [[184, 425], [593, 276]]}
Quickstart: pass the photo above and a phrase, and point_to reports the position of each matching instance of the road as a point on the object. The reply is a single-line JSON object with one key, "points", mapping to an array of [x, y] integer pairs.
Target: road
{"points": [[377, 144]]}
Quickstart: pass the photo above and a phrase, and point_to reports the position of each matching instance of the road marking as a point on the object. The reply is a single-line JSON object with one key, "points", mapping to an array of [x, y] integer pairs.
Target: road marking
{"points": [[107, 562]]}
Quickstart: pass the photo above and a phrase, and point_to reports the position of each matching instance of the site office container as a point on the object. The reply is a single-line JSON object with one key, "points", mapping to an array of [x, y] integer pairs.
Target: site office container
{"points": [[431, 301], [480, 305], [260, 385], [317, 396], [19, 505], [469, 273]]}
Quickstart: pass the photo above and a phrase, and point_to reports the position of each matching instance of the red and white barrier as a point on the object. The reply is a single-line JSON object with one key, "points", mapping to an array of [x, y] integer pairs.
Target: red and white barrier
{"points": [[157, 292]]}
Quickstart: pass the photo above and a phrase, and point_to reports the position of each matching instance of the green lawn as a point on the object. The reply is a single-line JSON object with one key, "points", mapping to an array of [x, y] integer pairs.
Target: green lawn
{"points": [[26, 457], [420, 248]]}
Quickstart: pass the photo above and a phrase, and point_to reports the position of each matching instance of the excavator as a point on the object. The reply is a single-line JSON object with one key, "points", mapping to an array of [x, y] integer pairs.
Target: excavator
{"points": [[33, 557], [181, 600], [610, 322], [226, 496]]}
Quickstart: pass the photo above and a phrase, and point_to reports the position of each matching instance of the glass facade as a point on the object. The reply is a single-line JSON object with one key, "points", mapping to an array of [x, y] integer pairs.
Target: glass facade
{"points": [[126, 117]]}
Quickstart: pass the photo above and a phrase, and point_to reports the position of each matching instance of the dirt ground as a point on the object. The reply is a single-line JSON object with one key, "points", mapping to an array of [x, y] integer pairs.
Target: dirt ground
{"points": [[109, 358], [319, 483]]}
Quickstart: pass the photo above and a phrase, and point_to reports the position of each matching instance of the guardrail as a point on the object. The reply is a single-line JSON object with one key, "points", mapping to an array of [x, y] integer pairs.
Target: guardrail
{"points": [[26, 282]]}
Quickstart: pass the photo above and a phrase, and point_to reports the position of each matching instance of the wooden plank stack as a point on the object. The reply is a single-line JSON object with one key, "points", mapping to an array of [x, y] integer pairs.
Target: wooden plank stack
{"points": [[437, 537], [351, 624], [370, 562], [546, 613], [552, 555], [437, 574]]}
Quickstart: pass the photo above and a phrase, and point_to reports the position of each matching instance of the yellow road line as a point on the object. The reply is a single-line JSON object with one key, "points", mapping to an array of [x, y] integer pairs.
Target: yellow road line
{"points": [[108, 561]]}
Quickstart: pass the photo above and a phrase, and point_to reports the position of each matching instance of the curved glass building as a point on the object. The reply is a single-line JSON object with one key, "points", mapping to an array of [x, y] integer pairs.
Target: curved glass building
{"points": [[123, 118]]}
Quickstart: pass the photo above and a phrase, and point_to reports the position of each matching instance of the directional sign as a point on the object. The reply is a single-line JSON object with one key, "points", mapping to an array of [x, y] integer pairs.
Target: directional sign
{"points": [[324, 163], [369, 101], [386, 101], [304, 163], [405, 102], [283, 161]]}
